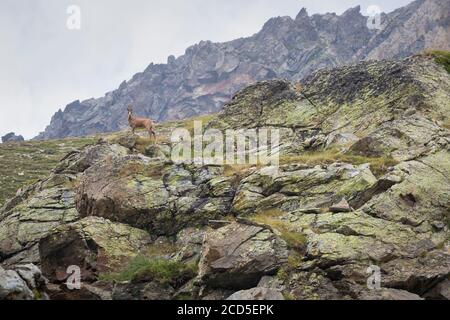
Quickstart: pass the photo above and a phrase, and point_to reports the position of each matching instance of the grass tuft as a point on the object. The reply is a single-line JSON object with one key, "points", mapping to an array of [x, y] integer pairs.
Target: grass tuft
{"points": [[294, 239], [152, 269]]}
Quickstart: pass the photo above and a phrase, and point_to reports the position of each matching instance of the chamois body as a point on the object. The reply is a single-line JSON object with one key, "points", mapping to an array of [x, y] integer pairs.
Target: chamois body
{"points": [[136, 122]]}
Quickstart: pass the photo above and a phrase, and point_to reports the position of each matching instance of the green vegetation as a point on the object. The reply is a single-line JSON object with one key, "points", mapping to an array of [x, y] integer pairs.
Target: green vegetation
{"points": [[282, 274], [205, 119], [153, 269], [441, 57], [288, 296], [26, 162], [295, 240], [378, 165]]}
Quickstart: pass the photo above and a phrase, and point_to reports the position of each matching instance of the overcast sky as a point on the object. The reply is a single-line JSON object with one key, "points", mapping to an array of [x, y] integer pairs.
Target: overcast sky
{"points": [[44, 65]]}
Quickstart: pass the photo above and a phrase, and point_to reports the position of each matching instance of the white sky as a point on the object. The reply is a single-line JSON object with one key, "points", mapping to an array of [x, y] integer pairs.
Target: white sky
{"points": [[44, 66]]}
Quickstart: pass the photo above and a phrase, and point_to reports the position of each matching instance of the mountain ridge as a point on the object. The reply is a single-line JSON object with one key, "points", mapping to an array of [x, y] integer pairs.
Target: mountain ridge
{"points": [[203, 79]]}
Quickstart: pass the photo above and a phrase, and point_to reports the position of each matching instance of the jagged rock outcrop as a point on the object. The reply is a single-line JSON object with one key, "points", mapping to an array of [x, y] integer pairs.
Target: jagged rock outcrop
{"points": [[12, 137], [146, 227], [208, 74], [24, 282]]}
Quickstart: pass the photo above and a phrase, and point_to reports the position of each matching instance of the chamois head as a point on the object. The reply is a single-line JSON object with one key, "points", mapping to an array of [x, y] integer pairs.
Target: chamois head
{"points": [[130, 110]]}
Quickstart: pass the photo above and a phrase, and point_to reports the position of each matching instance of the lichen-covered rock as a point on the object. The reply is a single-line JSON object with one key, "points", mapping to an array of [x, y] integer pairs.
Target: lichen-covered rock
{"points": [[421, 198], [189, 244], [94, 244], [258, 293], [237, 256], [151, 194], [311, 286], [79, 161], [291, 188], [23, 282], [143, 291], [22, 227], [388, 294]]}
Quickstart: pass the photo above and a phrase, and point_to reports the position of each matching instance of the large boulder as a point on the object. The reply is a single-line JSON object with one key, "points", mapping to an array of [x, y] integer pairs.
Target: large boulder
{"points": [[238, 255], [153, 194], [21, 228], [93, 244]]}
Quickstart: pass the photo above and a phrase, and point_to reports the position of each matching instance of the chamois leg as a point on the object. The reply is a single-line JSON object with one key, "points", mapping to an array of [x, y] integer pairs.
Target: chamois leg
{"points": [[152, 133]]}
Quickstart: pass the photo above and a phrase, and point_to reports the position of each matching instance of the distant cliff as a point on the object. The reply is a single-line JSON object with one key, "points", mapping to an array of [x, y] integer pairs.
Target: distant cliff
{"points": [[208, 74]]}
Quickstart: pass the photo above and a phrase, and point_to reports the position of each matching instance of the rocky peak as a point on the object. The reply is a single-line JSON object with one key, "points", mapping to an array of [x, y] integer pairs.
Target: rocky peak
{"points": [[303, 14]]}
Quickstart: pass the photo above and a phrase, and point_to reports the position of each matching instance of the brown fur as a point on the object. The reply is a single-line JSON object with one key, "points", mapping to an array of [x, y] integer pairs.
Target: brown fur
{"points": [[136, 122]]}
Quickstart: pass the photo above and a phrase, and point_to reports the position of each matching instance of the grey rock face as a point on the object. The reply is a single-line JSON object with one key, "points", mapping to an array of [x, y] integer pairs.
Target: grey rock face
{"points": [[208, 74], [257, 294], [25, 282], [12, 137], [237, 256]]}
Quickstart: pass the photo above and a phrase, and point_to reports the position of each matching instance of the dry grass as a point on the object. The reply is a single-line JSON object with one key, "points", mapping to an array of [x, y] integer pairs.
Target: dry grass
{"points": [[205, 119], [295, 240], [26, 162], [160, 249], [143, 143], [135, 168], [379, 165], [446, 124]]}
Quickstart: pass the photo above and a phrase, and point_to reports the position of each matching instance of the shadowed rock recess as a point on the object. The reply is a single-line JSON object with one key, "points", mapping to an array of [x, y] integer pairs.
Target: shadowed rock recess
{"points": [[208, 74], [364, 180]]}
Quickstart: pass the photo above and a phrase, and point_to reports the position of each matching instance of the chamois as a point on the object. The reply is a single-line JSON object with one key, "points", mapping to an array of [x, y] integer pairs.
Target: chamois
{"points": [[136, 122]]}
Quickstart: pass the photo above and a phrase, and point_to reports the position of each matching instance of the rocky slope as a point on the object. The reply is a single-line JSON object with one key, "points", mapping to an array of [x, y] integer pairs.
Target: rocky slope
{"points": [[208, 74], [363, 181], [26, 162]]}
